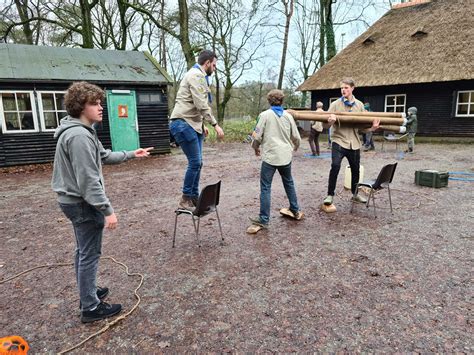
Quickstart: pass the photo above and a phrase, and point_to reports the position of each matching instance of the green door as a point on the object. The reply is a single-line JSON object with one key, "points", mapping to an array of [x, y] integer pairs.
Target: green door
{"points": [[122, 109]]}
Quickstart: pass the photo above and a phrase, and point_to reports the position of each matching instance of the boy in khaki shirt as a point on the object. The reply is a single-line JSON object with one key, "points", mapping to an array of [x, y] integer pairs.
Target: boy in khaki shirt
{"points": [[345, 141], [276, 133]]}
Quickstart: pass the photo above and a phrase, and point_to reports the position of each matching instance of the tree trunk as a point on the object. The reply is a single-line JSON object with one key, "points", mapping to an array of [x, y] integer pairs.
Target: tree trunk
{"points": [[122, 7], [184, 33], [86, 19], [322, 32], [23, 13], [289, 14], [330, 38], [162, 39]]}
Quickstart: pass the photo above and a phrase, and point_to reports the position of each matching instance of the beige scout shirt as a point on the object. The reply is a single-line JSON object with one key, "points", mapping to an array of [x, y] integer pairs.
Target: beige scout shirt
{"points": [[316, 125], [278, 137], [346, 137], [192, 103]]}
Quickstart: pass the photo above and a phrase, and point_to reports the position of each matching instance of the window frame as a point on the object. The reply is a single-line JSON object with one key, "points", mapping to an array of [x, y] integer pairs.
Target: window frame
{"points": [[4, 128], [396, 105], [41, 109], [469, 103]]}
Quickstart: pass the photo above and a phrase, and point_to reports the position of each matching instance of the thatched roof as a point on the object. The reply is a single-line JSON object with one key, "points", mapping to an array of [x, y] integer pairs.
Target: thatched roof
{"points": [[424, 42]]}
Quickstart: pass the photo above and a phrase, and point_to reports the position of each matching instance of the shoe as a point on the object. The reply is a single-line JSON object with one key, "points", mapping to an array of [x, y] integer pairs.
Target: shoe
{"points": [[102, 311], [298, 215], [194, 200], [359, 199], [186, 203], [102, 292], [328, 200], [258, 222]]}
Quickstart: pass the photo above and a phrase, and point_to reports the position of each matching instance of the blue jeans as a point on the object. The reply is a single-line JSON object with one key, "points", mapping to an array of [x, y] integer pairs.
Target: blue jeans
{"points": [[266, 177], [353, 156], [88, 224], [190, 142]]}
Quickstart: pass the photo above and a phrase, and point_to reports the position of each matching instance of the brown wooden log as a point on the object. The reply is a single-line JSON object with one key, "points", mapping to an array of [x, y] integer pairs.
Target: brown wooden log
{"points": [[345, 119], [365, 113]]}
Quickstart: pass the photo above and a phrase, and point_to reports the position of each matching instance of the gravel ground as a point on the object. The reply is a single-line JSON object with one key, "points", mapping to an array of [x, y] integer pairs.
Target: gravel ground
{"points": [[331, 282]]}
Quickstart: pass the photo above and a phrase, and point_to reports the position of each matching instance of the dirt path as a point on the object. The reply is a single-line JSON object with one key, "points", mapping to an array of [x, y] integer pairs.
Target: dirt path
{"points": [[330, 282]]}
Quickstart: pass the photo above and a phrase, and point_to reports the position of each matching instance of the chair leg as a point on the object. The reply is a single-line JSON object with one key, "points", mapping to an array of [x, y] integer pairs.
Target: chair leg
{"points": [[175, 224], [196, 229], [368, 199], [220, 227], [375, 208], [390, 199]]}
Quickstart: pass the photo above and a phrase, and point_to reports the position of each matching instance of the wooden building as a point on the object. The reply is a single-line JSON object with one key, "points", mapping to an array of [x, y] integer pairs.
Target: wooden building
{"points": [[33, 80], [418, 54]]}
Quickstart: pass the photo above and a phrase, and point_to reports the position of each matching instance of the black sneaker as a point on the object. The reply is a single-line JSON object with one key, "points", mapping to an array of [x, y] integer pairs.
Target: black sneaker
{"points": [[102, 292], [102, 311]]}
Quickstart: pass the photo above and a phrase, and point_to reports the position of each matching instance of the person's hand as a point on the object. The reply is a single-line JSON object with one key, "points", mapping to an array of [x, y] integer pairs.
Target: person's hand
{"points": [[111, 221], [219, 131], [142, 152], [375, 124], [257, 152], [206, 131], [332, 118]]}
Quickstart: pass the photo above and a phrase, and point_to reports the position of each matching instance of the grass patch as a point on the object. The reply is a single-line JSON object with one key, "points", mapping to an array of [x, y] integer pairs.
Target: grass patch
{"points": [[234, 130]]}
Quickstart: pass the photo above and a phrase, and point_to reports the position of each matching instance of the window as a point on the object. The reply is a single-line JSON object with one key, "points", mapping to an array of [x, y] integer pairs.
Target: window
{"points": [[149, 98], [52, 109], [395, 103], [465, 104], [17, 111]]}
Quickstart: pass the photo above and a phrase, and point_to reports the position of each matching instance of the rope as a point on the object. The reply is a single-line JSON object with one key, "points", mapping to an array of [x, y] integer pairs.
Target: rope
{"points": [[108, 324]]}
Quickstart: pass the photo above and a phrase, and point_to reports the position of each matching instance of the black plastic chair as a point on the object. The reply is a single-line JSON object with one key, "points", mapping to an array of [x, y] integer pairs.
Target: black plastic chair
{"points": [[383, 181], [207, 203]]}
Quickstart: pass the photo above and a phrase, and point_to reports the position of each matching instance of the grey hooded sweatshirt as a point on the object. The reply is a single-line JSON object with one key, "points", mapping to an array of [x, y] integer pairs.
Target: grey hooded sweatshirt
{"points": [[77, 173]]}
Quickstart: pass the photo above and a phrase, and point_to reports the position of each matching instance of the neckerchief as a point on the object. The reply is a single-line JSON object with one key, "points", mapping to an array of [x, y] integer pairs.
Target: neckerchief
{"points": [[347, 102], [278, 110], [209, 96]]}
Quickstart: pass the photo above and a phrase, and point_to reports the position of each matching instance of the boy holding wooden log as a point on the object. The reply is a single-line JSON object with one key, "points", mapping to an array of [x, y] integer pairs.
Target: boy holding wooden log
{"points": [[345, 141]]}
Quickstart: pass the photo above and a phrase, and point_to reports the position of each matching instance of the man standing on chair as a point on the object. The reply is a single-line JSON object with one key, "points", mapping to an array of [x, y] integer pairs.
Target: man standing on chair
{"points": [[192, 107], [345, 141], [275, 138]]}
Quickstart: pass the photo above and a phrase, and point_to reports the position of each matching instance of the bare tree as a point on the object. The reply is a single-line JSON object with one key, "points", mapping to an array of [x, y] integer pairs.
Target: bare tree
{"points": [[179, 20], [288, 6], [307, 28], [232, 30]]}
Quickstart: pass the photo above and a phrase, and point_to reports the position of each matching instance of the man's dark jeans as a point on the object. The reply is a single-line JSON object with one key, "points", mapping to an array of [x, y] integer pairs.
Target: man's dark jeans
{"points": [[190, 142], [353, 156], [88, 225], [266, 177]]}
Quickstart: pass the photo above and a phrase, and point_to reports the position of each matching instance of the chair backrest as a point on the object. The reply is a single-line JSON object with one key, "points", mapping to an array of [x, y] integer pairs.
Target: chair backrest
{"points": [[385, 176], [208, 199]]}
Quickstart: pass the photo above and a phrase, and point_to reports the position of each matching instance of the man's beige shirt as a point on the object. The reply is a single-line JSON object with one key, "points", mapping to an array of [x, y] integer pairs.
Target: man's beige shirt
{"points": [[192, 103], [278, 137], [347, 137]]}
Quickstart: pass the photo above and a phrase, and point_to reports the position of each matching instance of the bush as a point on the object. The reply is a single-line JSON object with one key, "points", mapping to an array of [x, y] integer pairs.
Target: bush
{"points": [[234, 130]]}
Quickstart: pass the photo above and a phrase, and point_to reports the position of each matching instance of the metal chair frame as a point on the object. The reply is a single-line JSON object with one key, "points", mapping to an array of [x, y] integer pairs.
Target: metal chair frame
{"points": [[384, 179], [393, 138], [207, 203]]}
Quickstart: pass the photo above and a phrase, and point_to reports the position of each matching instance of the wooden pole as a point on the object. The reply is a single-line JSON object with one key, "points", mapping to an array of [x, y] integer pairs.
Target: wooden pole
{"points": [[349, 118]]}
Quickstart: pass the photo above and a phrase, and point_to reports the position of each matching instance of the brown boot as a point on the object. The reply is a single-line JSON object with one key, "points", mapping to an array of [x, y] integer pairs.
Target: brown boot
{"points": [[186, 203]]}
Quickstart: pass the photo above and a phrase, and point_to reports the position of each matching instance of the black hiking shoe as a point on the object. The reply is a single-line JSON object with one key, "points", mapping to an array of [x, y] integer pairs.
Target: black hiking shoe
{"points": [[102, 293], [102, 311]]}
